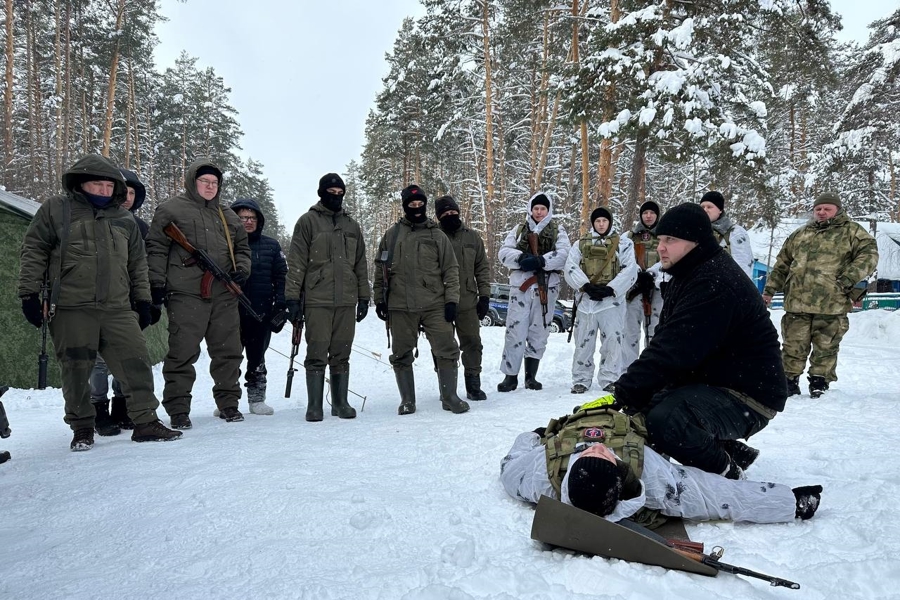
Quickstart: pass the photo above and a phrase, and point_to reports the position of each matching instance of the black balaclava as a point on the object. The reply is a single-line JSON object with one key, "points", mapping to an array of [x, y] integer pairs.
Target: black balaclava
{"points": [[410, 193], [602, 211], [332, 202], [449, 223]]}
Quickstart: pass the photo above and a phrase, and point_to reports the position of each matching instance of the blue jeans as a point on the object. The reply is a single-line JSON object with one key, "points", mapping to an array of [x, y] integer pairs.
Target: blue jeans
{"points": [[100, 382], [687, 423]]}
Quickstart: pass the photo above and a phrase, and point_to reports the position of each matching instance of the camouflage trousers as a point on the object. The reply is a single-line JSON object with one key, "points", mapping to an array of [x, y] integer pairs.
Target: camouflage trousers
{"points": [[822, 333]]}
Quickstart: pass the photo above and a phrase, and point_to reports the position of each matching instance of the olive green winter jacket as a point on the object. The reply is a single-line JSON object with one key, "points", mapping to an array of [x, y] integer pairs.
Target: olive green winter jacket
{"points": [[201, 222], [105, 265], [424, 274], [327, 261], [474, 272], [819, 263]]}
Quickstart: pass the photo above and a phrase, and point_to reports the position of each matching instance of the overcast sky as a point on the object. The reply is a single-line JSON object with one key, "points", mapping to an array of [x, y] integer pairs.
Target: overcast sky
{"points": [[303, 75]]}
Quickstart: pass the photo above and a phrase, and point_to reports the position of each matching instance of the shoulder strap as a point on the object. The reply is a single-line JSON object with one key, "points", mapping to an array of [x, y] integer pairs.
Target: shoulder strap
{"points": [[63, 246], [392, 244], [227, 237]]}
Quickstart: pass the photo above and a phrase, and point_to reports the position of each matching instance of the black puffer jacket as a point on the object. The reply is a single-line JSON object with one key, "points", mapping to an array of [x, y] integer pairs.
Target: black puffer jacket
{"points": [[714, 329], [140, 193], [268, 270]]}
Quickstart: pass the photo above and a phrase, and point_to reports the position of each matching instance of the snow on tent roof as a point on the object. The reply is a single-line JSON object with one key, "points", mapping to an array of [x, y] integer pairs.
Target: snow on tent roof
{"points": [[887, 237], [18, 205]]}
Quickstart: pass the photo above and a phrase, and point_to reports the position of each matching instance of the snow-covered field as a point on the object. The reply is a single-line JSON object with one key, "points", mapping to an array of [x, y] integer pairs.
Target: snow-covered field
{"points": [[410, 507]]}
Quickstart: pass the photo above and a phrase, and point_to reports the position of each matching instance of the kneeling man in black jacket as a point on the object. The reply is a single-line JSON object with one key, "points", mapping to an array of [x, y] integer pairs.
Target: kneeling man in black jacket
{"points": [[712, 372]]}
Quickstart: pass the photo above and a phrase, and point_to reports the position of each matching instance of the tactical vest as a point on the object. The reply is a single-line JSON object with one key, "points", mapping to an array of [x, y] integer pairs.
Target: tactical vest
{"points": [[650, 243], [726, 237], [599, 258], [620, 433], [546, 238]]}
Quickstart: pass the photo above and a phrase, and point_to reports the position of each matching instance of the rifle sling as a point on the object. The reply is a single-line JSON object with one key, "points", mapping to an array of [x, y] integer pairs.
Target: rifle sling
{"points": [[227, 237], [63, 246]]}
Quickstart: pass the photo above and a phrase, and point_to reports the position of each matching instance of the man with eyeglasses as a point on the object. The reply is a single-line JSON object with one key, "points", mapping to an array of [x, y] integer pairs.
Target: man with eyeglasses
{"points": [[265, 289], [328, 271], [192, 315]]}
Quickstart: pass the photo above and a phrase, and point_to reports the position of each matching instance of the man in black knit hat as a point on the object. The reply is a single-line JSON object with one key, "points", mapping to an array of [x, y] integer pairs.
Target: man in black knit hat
{"points": [[712, 372], [646, 291], [732, 237], [422, 291], [328, 269], [474, 290]]}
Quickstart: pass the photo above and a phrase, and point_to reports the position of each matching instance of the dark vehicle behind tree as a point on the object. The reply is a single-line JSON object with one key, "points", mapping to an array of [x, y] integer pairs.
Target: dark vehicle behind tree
{"points": [[562, 313]]}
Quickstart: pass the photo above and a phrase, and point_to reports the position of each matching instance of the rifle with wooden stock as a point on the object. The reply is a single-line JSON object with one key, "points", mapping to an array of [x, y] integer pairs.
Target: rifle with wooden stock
{"points": [[211, 270], [539, 277], [640, 255]]}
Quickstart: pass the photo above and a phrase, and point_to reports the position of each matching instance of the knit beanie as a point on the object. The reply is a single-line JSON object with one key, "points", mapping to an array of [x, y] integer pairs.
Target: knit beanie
{"points": [[208, 170], [714, 197], [595, 485], [650, 205], [686, 221], [541, 199], [330, 180], [412, 192], [602, 211], [443, 204], [828, 198]]}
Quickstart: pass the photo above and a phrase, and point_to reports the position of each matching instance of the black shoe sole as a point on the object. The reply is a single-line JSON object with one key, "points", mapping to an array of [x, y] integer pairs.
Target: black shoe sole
{"points": [[477, 397], [148, 438], [104, 432], [80, 448]]}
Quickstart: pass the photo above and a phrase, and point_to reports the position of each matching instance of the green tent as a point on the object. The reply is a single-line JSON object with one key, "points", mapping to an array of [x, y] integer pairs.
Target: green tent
{"points": [[21, 343]]}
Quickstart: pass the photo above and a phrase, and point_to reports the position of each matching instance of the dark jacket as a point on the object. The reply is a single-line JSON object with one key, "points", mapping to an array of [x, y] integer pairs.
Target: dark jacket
{"points": [[201, 222], [474, 272], [714, 329], [328, 259], [105, 265], [140, 193], [265, 287]]}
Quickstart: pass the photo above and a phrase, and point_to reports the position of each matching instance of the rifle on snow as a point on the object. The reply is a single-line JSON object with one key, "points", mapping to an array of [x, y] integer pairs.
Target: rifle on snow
{"points": [[540, 276], [296, 336], [211, 270], [47, 312]]}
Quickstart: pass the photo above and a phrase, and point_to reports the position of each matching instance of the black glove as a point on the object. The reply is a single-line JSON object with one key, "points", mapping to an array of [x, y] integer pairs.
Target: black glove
{"points": [[530, 262], [155, 314], [278, 320], [598, 292], [541, 431], [481, 309], [31, 308], [239, 277], [362, 309], [645, 282], [145, 318], [294, 312], [450, 312], [381, 309], [158, 296]]}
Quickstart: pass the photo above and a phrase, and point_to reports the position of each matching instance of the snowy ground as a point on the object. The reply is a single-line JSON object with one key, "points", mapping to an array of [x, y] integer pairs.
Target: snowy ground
{"points": [[393, 507]]}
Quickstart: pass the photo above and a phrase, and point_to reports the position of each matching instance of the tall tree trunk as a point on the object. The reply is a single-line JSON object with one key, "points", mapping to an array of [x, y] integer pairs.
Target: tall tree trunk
{"points": [[489, 123], [67, 113], [58, 64], [8, 96], [111, 89], [585, 165], [605, 170], [636, 187]]}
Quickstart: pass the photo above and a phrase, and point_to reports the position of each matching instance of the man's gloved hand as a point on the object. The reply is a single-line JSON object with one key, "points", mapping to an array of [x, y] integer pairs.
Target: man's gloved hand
{"points": [[362, 309], [155, 314], [530, 262], [645, 282], [279, 317], [239, 277], [295, 313], [158, 296], [31, 308], [481, 309], [541, 431], [450, 312], [381, 309], [145, 318], [598, 292]]}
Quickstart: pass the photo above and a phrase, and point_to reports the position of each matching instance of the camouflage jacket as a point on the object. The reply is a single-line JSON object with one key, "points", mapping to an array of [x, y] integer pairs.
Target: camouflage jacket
{"points": [[819, 264]]}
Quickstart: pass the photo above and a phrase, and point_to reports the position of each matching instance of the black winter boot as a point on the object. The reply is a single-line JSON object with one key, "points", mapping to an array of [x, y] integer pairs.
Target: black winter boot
{"points": [[473, 387], [509, 383], [154, 431], [231, 415], [406, 383], [103, 423], [733, 471], [315, 388], [181, 421], [447, 380], [808, 498], [119, 413], [82, 440], [817, 386], [340, 383], [531, 369], [793, 386], [742, 454]]}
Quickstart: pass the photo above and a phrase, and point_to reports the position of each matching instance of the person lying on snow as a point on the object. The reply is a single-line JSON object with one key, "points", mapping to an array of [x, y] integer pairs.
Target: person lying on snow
{"points": [[596, 460]]}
